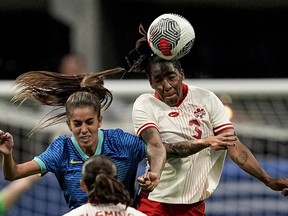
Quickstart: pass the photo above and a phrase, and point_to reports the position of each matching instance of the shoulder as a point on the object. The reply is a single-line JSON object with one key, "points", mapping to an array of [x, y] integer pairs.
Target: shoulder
{"points": [[118, 139], [61, 140], [135, 212], [81, 210], [201, 95], [113, 136], [129, 210], [146, 103], [57, 150], [144, 97], [119, 134], [113, 132], [199, 90], [60, 143]]}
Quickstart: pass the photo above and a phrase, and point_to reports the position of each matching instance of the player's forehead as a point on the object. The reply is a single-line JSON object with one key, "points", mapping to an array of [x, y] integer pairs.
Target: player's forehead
{"points": [[82, 114], [162, 68]]}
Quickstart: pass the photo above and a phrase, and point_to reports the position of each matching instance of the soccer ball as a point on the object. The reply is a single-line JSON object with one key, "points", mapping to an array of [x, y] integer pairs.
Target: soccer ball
{"points": [[170, 36]]}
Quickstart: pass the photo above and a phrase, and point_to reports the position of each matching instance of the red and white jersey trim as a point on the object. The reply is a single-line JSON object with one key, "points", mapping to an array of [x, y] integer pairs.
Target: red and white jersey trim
{"points": [[219, 129], [145, 126]]}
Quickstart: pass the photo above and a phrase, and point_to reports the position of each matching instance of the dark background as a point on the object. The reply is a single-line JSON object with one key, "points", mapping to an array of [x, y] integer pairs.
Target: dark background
{"points": [[232, 41]]}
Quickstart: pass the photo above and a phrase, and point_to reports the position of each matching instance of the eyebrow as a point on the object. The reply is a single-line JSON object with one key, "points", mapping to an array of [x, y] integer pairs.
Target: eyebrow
{"points": [[76, 120]]}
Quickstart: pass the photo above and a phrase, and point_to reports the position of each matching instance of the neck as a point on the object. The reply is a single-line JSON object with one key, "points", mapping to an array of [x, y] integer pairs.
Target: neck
{"points": [[90, 151]]}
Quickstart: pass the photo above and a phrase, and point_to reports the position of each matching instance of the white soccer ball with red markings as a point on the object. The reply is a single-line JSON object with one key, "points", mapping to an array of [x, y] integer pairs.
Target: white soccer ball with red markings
{"points": [[171, 36]]}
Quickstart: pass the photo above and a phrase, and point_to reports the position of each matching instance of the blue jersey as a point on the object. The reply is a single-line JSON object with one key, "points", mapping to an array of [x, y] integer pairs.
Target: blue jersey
{"points": [[65, 159]]}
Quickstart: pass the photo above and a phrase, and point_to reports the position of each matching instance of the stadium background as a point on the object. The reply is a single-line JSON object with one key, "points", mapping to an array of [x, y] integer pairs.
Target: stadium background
{"points": [[240, 53]]}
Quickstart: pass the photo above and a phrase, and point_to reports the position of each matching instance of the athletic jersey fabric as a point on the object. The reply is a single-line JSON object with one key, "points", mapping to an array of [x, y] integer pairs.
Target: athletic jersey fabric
{"points": [[200, 114], [104, 210], [65, 159]]}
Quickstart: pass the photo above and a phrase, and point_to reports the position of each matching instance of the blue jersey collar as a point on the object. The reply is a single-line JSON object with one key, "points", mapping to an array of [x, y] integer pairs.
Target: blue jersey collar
{"points": [[99, 146]]}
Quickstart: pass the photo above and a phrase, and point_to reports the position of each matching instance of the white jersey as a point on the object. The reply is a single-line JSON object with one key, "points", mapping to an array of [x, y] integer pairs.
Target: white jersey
{"points": [[201, 114], [109, 209]]}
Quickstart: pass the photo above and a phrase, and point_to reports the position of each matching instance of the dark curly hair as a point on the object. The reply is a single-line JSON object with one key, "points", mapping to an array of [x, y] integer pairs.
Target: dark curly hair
{"points": [[142, 57]]}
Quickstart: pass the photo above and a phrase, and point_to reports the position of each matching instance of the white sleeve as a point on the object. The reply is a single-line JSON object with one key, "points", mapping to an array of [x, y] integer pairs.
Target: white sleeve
{"points": [[143, 113], [219, 118]]}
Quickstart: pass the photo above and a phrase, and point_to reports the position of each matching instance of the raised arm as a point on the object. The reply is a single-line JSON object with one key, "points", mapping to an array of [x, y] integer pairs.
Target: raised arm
{"points": [[244, 158], [186, 148], [6, 148], [156, 151], [11, 170]]}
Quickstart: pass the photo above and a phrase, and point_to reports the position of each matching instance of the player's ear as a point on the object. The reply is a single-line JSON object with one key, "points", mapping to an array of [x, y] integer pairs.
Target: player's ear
{"points": [[182, 74], [100, 121], [83, 186]]}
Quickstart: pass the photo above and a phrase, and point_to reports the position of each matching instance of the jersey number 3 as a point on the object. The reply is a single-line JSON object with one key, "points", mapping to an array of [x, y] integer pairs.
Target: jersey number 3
{"points": [[197, 128]]}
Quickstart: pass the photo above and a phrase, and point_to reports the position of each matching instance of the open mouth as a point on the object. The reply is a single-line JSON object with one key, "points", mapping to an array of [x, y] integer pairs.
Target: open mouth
{"points": [[85, 138]]}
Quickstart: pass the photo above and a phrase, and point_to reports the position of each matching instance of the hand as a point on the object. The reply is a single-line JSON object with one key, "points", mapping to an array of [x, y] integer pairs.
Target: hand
{"points": [[148, 181], [6, 143], [221, 141], [285, 192], [279, 184]]}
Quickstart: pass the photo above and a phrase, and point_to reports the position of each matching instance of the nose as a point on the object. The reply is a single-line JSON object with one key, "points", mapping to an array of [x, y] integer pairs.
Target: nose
{"points": [[84, 129], [166, 85]]}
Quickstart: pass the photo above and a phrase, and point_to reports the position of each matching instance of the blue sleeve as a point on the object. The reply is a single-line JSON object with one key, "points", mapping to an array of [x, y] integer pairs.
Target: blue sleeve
{"points": [[133, 144], [51, 158]]}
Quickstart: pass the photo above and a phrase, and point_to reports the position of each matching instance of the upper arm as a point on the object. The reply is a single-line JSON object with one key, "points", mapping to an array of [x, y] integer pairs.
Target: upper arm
{"points": [[239, 152], [152, 137], [156, 151], [27, 169]]}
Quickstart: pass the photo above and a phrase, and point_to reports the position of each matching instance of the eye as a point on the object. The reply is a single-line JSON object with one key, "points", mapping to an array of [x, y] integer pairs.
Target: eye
{"points": [[172, 76], [77, 124], [90, 122], [158, 80]]}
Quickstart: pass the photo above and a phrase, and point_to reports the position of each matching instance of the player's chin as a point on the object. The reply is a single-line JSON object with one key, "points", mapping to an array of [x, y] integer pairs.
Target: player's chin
{"points": [[171, 101], [86, 142]]}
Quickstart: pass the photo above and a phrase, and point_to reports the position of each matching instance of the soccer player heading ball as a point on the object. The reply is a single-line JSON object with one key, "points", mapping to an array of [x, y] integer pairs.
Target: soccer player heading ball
{"points": [[191, 115]]}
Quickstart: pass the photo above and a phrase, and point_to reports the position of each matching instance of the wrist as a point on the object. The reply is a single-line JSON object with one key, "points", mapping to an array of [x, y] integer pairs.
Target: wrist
{"points": [[7, 154], [267, 180], [202, 143]]}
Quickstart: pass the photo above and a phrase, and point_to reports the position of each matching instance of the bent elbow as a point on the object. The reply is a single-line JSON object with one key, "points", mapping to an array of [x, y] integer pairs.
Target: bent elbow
{"points": [[9, 178]]}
